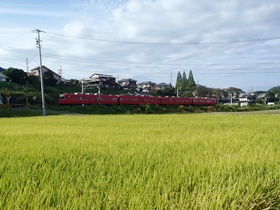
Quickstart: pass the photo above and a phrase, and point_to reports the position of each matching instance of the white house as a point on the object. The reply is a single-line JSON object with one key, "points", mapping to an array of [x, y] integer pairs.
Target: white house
{"points": [[162, 86], [128, 84], [147, 87], [35, 72], [105, 81]]}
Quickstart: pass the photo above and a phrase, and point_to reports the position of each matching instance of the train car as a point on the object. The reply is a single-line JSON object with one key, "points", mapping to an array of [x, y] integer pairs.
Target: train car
{"points": [[90, 99], [153, 100], [87, 99], [204, 101], [129, 100], [168, 100], [176, 101], [139, 99], [72, 99], [108, 100]]}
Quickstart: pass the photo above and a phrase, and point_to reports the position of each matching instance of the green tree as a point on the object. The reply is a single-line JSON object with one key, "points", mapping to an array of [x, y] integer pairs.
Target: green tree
{"points": [[169, 91], [184, 82], [234, 92], [14, 75], [49, 80], [203, 91], [179, 82], [270, 95], [191, 82]]}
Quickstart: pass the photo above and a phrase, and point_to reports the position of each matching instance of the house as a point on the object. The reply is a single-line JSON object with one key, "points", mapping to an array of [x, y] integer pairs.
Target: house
{"points": [[104, 81], [128, 84], [2, 76], [35, 72], [244, 101], [246, 98], [162, 86], [147, 87]]}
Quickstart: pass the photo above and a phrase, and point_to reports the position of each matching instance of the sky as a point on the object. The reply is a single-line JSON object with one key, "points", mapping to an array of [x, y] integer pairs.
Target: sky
{"points": [[233, 43]]}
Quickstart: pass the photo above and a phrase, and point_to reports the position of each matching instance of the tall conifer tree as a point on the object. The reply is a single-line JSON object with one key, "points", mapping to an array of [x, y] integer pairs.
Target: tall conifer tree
{"points": [[179, 81], [191, 82], [184, 82]]}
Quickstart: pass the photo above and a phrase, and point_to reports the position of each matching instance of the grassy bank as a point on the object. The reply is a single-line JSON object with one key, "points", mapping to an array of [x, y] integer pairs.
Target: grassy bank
{"points": [[140, 162]]}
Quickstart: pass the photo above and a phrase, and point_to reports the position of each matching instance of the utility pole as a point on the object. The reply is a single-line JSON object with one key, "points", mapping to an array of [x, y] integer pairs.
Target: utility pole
{"points": [[60, 71], [26, 82], [83, 89], [38, 43]]}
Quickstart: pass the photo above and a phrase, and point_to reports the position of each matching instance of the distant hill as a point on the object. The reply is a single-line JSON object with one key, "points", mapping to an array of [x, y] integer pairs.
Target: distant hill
{"points": [[1, 69], [277, 88]]}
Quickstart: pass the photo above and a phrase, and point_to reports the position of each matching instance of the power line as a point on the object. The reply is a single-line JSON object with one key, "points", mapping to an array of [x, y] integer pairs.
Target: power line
{"points": [[151, 43], [168, 43]]}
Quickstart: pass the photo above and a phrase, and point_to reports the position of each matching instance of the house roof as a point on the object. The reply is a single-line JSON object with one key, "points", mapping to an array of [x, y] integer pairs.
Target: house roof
{"points": [[101, 75], [1, 69], [38, 68], [162, 84], [147, 82], [127, 80]]}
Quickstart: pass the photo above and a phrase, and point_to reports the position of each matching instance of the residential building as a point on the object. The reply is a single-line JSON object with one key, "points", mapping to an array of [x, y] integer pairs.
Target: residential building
{"points": [[162, 86], [35, 72], [128, 84], [104, 81], [148, 87]]}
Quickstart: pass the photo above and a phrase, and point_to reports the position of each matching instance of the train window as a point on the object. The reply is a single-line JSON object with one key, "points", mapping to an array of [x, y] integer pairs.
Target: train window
{"points": [[61, 96]]}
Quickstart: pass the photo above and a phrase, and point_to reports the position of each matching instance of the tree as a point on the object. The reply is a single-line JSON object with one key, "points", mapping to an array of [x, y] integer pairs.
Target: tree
{"points": [[179, 83], [234, 92], [191, 82], [49, 80], [270, 95], [184, 82], [203, 91], [7, 96], [17, 76], [33, 81]]}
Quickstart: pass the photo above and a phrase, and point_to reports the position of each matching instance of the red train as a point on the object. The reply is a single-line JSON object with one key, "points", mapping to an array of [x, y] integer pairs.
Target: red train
{"points": [[89, 99]]}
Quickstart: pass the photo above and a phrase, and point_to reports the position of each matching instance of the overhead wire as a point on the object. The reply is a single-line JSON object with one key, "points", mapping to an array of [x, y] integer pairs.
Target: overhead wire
{"points": [[154, 66], [168, 43]]}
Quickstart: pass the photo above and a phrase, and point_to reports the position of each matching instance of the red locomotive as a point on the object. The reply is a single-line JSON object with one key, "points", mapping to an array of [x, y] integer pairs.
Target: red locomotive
{"points": [[89, 99]]}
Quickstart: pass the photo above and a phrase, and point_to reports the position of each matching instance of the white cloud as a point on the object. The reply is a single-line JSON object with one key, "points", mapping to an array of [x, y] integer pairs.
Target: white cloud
{"points": [[166, 22]]}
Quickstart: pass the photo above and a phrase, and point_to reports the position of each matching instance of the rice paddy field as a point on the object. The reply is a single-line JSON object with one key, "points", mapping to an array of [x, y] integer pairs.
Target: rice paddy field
{"points": [[180, 161]]}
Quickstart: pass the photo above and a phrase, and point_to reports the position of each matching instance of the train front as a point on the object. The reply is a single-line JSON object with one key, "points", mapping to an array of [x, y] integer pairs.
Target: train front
{"points": [[62, 99]]}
